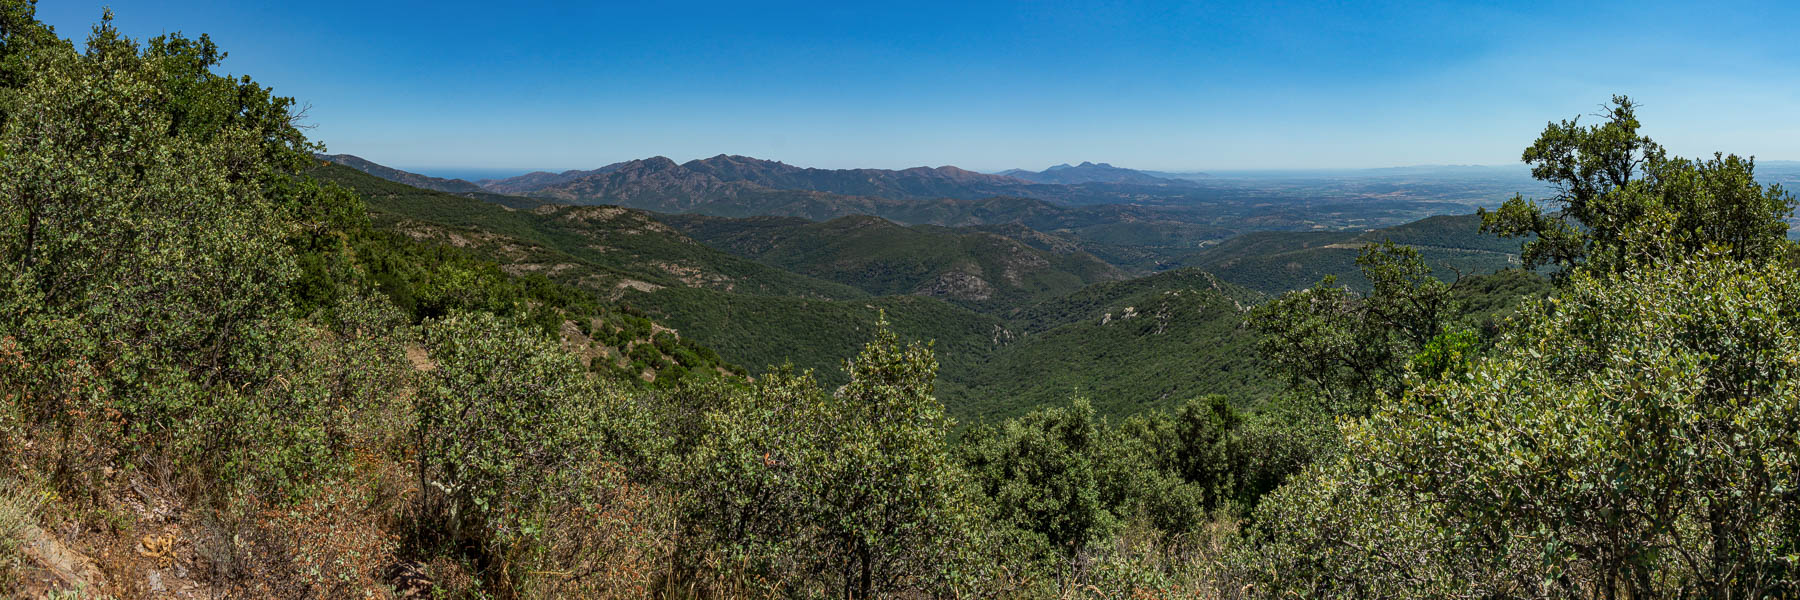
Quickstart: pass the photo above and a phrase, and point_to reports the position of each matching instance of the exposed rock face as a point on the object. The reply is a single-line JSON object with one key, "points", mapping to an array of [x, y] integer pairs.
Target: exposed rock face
{"points": [[960, 285], [1018, 260], [57, 567]]}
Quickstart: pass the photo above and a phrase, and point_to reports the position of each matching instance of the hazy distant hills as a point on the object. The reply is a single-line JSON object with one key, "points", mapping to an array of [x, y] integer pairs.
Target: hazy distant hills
{"points": [[454, 186], [727, 185], [1134, 220], [1125, 221], [538, 180], [913, 183], [735, 186], [722, 177], [658, 184], [655, 183], [1088, 172]]}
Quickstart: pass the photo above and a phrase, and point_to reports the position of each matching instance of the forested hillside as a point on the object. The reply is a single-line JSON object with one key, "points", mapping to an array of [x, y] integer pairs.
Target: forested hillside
{"points": [[932, 283], [609, 250], [1112, 344], [229, 369], [1278, 261], [454, 186], [969, 268]]}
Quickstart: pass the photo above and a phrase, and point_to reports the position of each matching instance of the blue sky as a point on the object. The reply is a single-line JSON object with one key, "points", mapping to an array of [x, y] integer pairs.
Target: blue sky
{"points": [[989, 86]]}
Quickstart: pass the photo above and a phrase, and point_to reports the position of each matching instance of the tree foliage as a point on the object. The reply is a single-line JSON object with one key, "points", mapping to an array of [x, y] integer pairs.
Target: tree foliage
{"points": [[146, 262], [502, 414], [852, 492], [1633, 436], [1351, 349], [1636, 438], [1043, 474], [1618, 190]]}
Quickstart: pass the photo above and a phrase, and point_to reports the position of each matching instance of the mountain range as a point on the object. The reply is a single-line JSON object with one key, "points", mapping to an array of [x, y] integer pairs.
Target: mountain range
{"points": [[1122, 215], [1292, 241], [726, 176], [661, 185], [1088, 172]]}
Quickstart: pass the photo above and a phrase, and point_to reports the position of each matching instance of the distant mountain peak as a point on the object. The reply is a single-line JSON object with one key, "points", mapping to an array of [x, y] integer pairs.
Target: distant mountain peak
{"points": [[739, 159], [655, 162], [1089, 172]]}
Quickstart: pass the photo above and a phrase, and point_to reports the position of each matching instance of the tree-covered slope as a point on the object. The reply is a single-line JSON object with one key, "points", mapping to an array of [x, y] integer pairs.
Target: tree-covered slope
{"points": [[601, 248], [1062, 322], [760, 332], [970, 268], [454, 186], [1126, 346], [1277, 261], [759, 316]]}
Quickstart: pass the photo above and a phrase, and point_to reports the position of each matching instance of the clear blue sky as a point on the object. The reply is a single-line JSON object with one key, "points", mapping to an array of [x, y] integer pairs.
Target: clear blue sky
{"points": [[989, 86]]}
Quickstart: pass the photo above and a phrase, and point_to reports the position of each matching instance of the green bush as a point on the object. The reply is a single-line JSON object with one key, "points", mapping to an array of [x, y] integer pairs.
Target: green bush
{"points": [[644, 354], [1641, 433], [503, 419], [1351, 349], [1041, 474], [148, 265], [813, 493], [665, 342]]}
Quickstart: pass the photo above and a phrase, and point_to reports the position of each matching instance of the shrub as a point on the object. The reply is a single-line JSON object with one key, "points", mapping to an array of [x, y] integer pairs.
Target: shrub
{"points": [[1639, 434], [1041, 474], [145, 263], [810, 493], [501, 423]]}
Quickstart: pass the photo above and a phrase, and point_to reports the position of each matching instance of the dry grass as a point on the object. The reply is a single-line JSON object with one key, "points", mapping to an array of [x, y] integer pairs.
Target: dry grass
{"points": [[18, 515]]}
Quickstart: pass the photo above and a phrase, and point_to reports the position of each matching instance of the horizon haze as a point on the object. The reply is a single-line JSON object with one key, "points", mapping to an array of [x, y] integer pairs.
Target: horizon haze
{"points": [[460, 87]]}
